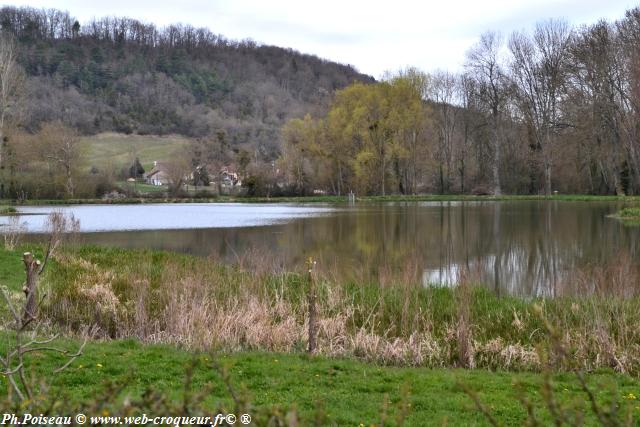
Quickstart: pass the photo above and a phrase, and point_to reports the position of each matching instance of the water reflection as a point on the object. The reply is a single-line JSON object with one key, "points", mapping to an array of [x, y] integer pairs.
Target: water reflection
{"points": [[95, 218], [518, 248]]}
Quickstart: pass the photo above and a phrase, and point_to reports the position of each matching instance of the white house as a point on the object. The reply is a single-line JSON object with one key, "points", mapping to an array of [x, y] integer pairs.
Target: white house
{"points": [[158, 175]]}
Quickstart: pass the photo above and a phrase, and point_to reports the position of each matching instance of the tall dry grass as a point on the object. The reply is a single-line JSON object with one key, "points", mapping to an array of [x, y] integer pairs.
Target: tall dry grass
{"points": [[13, 232], [203, 304]]}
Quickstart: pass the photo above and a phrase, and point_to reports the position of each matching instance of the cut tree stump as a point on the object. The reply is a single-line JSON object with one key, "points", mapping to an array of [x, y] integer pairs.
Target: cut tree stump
{"points": [[30, 289]]}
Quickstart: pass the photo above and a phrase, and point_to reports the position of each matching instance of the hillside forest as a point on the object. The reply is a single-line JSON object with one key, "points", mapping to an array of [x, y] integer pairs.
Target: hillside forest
{"points": [[552, 108]]}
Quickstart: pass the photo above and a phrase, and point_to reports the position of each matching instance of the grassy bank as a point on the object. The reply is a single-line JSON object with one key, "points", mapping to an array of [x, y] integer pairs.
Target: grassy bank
{"points": [[335, 199], [393, 348], [338, 391], [201, 304]]}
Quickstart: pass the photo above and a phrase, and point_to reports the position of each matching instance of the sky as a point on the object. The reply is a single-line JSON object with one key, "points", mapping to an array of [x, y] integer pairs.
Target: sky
{"points": [[374, 36]]}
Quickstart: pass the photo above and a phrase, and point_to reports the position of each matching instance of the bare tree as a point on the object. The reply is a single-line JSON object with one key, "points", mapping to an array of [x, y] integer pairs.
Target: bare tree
{"points": [[465, 89], [596, 106], [178, 170], [60, 145], [442, 93], [627, 54], [10, 85], [483, 63], [538, 69]]}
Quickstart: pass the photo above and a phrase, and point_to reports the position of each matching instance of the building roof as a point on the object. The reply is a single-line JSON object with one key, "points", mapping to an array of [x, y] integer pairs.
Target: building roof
{"points": [[158, 167]]}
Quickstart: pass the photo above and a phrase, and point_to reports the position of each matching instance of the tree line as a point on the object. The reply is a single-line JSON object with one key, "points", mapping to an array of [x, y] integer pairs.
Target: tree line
{"points": [[552, 109]]}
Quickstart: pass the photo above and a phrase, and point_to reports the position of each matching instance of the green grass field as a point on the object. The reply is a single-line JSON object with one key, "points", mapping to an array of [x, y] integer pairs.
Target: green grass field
{"points": [[11, 270], [142, 188], [350, 392], [119, 150]]}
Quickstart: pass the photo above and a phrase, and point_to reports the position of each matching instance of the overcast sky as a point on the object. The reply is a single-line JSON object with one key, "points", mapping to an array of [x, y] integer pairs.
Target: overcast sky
{"points": [[372, 35]]}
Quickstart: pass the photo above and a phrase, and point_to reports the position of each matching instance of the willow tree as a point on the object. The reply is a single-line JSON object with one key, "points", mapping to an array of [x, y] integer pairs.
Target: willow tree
{"points": [[372, 139], [305, 158], [356, 129], [381, 128], [409, 119]]}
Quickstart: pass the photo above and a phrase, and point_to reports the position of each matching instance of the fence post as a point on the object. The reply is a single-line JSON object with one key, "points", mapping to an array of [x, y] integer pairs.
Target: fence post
{"points": [[313, 314]]}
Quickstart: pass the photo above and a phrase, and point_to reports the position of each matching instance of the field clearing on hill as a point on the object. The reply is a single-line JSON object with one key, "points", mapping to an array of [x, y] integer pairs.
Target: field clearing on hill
{"points": [[120, 149]]}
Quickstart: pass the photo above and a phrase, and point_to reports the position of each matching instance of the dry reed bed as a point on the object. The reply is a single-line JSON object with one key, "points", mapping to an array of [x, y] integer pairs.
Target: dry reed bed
{"points": [[202, 304]]}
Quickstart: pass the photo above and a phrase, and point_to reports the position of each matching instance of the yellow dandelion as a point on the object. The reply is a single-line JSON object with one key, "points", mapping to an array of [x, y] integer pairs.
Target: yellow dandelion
{"points": [[99, 365]]}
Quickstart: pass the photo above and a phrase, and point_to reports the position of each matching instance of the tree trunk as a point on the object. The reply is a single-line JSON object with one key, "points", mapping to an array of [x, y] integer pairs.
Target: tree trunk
{"points": [[32, 269], [462, 167], [547, 178], [384, 166], [414, 166], [497, 189], [70, 186], [2, 183]]}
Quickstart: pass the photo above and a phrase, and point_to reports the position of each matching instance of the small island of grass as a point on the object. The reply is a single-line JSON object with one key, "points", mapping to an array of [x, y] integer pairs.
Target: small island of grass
{"points": [[7, 210], [629, 216]]}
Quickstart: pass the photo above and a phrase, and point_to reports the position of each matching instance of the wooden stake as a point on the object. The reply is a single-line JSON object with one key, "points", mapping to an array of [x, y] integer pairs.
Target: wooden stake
{"points": [[313, 321]]}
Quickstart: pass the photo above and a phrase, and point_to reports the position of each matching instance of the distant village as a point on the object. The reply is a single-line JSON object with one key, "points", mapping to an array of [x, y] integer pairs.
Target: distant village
{"points": [[159, 176]]}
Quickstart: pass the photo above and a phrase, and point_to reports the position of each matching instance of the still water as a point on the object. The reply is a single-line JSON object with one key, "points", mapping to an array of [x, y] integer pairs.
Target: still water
{"points": [[521, 248]]}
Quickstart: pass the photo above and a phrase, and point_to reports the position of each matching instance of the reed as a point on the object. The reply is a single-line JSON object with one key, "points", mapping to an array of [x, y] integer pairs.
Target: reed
{"points": [[202, 304]]}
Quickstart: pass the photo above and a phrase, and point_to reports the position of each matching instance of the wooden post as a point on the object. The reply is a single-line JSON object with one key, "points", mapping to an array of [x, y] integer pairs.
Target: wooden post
{"points": [[32, 269], [313, 326]]}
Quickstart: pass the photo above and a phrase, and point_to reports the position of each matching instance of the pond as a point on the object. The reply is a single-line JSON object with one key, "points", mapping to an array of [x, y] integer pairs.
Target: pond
{"points": [[526, 248]]}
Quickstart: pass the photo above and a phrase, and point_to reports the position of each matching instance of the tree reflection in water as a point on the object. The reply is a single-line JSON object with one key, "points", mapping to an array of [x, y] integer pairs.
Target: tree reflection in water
{"points": [[517, 248]]}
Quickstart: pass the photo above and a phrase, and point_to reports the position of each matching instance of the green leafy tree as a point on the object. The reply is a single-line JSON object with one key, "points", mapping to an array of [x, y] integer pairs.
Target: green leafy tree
{"points": [[371, 140]]}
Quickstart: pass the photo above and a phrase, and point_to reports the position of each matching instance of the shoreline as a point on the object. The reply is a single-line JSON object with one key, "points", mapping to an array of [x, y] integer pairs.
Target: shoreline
{"points": [[324, 199], [257, 308]]}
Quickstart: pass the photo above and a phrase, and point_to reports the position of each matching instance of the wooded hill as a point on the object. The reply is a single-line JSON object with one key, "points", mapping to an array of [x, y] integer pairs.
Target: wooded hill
{"points": [[123, 75]]}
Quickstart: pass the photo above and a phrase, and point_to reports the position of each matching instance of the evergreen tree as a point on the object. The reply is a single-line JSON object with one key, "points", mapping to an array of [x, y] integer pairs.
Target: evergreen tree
{"points": [[136, 170]]}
